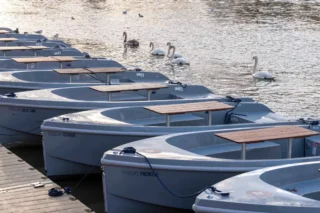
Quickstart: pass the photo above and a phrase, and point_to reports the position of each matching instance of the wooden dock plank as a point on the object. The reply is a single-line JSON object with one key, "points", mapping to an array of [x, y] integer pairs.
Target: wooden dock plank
{"points": [[18, 195]]}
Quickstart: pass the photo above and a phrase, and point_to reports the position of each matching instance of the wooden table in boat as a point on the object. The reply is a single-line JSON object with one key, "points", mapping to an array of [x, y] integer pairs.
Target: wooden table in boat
{"points": [[11, 48], [129, 87], [77, 71], [4, 31], [6, 40], [59, 59], [174, 109], [272, 133]]}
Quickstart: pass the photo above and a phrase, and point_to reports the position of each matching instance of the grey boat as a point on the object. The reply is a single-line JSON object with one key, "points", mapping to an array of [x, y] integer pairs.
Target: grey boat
{"points": [[19, 81], [292, 188], [58, 62], [189, 162], [24, 112], [99, 130], [29, 51]]}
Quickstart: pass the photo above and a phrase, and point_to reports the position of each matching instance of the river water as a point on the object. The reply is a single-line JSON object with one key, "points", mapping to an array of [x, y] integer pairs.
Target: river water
{"points": [[219, 38]]}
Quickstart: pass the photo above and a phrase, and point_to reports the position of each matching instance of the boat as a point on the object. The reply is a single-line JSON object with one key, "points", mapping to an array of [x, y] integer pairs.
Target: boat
{"points": [[166, 173], [9, 41], [29, 51], [25, 111], [96, 131], [56, 62], [292, 188], [18, 81]]}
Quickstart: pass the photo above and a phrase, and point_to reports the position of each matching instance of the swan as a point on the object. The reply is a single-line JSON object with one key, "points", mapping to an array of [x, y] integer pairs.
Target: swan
{"points": [[156, 52], [176, 54], [131, 43], [262, 75], [179, 61]]}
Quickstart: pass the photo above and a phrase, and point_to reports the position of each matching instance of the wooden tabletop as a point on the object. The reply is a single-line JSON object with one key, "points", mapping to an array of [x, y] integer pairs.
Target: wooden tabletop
{"points": [[273, 133], [189, 107], [90, 70], [8, 39], [9, 48], [4, 31], [129, 87], [45, 59]]}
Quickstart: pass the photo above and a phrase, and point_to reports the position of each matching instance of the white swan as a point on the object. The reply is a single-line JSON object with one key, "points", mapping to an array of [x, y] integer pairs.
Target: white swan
{"points": [[179, 61], [156, 52], [261, 75], [176, 54]]}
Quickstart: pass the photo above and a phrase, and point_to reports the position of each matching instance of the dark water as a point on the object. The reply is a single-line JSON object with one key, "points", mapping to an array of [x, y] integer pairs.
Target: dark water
{"points": [[89, 191], [219, 38]]}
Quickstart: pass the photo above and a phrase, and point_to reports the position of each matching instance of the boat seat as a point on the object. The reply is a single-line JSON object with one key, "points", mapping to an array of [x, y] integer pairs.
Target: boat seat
{"points": [[264, 150], [122, 96], [175, 120], [180, 95]]}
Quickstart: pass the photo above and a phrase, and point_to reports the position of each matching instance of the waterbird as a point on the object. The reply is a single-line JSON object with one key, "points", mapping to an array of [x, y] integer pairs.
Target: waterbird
{"points": [[55, 36], [156, 52], [16, 30], [141, 16], [261, 75], [175, 54], [131, 43], [72, 18], [124, 12], [39, 32], [179, 61]]}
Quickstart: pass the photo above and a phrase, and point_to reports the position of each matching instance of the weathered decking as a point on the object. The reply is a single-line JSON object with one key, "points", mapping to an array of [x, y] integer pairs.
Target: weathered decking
{"points": [[19, 191]]}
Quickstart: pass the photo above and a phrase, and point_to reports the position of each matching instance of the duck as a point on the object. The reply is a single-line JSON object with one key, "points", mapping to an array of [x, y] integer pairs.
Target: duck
{"points": [[156, 52], [131, 43], [55, 36], [39, 32], [178, 61], [16, 30], [260, 75], [72, 18], [176, 54], [141, 16]]}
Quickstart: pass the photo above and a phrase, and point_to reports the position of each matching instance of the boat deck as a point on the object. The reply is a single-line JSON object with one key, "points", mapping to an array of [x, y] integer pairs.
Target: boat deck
{"points": [[24, 189]]}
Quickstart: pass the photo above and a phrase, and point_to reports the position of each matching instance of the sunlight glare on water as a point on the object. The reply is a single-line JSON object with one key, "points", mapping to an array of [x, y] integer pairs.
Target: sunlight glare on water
{"points": [[219, 38]]}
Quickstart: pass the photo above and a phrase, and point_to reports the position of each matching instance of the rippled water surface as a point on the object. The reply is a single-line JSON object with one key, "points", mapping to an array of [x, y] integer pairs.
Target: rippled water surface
{"points": [[219, 38]]}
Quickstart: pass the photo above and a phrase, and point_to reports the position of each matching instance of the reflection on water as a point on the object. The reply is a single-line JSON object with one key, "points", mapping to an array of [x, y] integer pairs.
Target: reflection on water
{"points": [[218, 37]]}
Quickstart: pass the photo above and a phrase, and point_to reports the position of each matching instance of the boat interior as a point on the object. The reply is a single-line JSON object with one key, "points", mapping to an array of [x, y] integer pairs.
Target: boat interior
{"points": [[169, 93], [208, 144], [300, 179]]}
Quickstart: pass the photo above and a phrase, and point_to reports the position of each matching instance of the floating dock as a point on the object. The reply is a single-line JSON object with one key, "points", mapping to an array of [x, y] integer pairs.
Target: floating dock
{"points": [[24, 189]]}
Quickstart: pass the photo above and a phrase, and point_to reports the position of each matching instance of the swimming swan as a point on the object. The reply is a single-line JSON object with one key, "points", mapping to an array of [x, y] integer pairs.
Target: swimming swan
{"points": [[131, 43], [261, 75], [156, 52], [176, 54], [179, 61]]}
